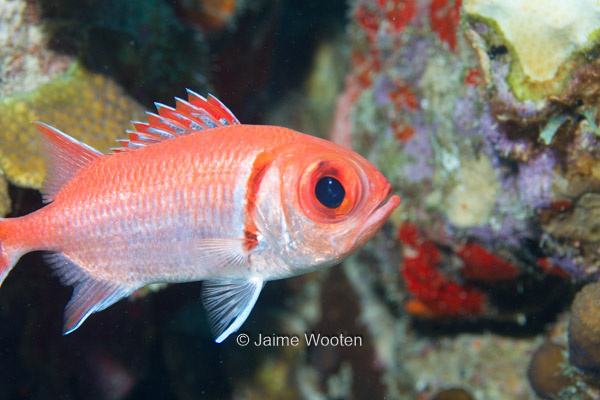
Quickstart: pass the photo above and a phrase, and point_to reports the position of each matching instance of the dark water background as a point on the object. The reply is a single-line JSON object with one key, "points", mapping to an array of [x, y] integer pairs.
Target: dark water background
{"points": [[160, 346]]}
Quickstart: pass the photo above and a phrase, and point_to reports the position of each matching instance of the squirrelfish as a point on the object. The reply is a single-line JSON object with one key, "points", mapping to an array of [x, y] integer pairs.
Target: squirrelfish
{"points": [[191, 195]]}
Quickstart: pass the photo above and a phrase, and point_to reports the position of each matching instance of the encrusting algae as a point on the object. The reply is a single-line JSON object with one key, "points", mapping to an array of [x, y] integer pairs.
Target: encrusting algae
{"points": [[89, 106], [544, 39]]}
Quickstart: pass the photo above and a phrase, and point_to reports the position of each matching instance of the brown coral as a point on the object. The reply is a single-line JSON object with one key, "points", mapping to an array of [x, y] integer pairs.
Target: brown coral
{"points": [[584, 329], [544, 370]]}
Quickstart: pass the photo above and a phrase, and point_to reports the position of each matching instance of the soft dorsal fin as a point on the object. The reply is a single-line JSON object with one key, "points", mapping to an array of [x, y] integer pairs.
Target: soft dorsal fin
{"points": [[65, 157], [196, 114]]}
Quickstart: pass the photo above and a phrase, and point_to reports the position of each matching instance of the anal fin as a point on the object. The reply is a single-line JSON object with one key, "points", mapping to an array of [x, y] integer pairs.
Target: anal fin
{"points": [[229, 303], [90, 294]]}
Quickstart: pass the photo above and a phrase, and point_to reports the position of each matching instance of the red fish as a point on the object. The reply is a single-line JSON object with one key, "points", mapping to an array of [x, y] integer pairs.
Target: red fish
{"points": [[195, 195]]}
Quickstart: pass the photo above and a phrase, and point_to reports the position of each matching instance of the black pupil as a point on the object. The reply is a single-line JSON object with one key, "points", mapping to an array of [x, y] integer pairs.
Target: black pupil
{"points": [[330, 192]]}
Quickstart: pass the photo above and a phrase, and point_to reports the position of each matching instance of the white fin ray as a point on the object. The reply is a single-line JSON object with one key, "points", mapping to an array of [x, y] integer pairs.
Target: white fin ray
{"points": [[196, 114], [229, 303], [65, 157], [143, 137], [175, 116], [214, 107], [166, 124]]}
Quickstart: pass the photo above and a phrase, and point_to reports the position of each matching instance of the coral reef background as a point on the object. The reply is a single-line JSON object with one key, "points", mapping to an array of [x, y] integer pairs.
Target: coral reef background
{"points": [[488, 131]]}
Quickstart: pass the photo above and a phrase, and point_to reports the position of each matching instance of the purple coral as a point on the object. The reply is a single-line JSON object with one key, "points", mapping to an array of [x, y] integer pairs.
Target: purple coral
{"points": [[535, 178], [419, 147], [569, 264]]}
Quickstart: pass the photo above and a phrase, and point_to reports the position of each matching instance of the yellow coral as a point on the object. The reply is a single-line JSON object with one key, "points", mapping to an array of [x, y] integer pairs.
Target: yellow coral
{"points": [[5, 204], [89, 107]]}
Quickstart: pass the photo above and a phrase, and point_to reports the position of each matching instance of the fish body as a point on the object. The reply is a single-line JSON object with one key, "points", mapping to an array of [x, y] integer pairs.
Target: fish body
{"points": [[195, 195]]}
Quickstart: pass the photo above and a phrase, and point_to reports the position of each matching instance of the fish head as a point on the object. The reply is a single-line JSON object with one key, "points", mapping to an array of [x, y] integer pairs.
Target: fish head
{"points": [[333, 201]]}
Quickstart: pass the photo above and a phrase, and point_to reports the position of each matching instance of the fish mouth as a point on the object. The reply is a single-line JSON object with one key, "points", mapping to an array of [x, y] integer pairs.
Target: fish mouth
{"points": [[379, 215]]}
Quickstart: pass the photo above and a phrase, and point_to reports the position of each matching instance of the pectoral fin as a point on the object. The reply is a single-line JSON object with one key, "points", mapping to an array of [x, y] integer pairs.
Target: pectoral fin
{"points": [[229, 303], [219, 253]]}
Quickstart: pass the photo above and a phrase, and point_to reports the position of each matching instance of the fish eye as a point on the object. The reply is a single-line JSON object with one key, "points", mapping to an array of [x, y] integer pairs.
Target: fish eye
{"points": [[330, 192], [330, 189]]}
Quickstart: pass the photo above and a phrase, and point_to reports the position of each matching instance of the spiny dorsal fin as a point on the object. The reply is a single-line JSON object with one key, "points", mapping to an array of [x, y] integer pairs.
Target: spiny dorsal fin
{"points": [[196, 114], [65, 157]]}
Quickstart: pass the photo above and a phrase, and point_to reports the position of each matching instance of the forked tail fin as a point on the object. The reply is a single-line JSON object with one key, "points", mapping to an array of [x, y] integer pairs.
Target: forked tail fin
{"points": [[8, 256]]}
